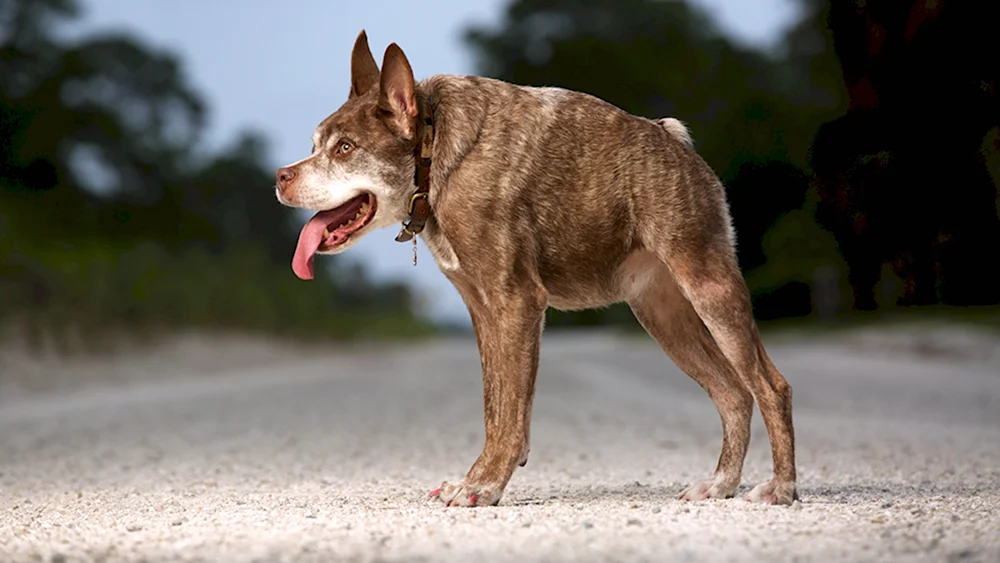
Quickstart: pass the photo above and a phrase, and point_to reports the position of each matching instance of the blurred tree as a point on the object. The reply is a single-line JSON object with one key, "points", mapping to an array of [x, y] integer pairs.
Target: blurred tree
{"points": [[905, 174], [110, 219], [752, 114]]}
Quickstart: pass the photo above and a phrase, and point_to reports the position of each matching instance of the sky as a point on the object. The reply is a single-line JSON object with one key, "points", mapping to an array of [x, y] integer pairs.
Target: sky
{"points": [[279, 68]]}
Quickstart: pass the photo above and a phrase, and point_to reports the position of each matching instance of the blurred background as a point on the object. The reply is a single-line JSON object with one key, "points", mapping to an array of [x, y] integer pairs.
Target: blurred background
{"points": [[859, 143]]}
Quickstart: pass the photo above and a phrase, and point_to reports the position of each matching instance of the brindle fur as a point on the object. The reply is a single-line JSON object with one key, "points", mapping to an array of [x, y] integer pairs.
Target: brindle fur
{"points": [[547, 197]]}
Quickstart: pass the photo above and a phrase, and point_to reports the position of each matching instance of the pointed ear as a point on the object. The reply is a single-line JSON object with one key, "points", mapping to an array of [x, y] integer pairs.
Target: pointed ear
{"points": [[364, 70], [397, 97]]}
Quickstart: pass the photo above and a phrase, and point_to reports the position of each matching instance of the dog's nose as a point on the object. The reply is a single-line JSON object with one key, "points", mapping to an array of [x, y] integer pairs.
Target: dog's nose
{"points": [[284, 176]]}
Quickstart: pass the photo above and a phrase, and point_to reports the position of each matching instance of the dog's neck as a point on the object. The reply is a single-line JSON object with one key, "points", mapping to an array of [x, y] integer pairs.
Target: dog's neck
{"points": [[419, 205]]}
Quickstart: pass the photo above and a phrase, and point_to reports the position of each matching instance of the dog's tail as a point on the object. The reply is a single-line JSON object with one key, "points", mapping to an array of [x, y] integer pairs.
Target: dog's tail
{"points": [[677, 130]]}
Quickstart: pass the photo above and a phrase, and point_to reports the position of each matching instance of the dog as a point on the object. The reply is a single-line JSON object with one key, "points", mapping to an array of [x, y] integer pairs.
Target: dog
{"points": [[537, 197]]}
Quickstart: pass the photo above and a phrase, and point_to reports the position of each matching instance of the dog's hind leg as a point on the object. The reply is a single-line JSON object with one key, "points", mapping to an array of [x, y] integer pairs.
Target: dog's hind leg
{"points": [[670, 319], [708, 275]]}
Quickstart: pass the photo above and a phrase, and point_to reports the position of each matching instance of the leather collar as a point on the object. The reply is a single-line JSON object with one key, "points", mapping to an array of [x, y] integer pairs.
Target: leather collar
{"points": [[419, 206]]}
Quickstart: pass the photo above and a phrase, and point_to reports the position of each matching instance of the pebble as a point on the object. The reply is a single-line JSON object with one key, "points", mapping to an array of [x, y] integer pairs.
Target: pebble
{"points": [[588, 525], [634, 522]]}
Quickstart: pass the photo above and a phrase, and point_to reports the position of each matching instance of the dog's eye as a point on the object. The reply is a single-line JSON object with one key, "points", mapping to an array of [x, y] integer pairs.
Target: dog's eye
{"points": [[343, 147]]}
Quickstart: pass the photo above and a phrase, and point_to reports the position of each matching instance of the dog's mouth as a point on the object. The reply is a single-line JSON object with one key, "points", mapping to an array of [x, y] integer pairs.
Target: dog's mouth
{"points": [[330, 229]]}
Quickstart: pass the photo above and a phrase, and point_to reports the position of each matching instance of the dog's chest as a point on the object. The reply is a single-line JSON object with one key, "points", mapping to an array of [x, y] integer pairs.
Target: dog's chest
{"points": [[442, 252]]}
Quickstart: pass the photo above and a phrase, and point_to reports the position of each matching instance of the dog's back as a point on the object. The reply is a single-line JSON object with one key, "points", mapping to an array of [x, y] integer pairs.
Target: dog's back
{"points": [[538, 163]]}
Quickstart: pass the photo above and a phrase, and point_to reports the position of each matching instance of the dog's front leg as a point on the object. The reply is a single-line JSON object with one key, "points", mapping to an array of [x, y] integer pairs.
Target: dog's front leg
{"points": [[509, 332]]}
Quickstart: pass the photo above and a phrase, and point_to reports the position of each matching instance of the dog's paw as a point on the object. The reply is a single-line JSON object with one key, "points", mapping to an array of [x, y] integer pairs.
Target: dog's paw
{"points": [[774, 492], [713, 488], [522, 460], [465, 494]]}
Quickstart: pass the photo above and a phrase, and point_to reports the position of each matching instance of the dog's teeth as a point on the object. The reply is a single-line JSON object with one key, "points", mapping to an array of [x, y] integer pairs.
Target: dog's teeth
{"points": [[326, 233]]}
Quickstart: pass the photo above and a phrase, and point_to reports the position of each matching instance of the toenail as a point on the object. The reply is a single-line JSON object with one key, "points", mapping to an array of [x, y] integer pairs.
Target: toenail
{"points": [[472, 499], [434, 493]]}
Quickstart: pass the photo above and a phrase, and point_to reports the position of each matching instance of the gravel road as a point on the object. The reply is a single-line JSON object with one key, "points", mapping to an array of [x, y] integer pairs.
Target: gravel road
{"points": [[230, 452]]}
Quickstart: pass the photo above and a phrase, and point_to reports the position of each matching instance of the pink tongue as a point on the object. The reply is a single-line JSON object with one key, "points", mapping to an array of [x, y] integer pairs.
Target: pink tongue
{"points": [[309, 240]]}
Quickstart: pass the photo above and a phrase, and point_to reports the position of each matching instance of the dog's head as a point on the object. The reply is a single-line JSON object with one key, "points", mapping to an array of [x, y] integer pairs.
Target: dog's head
{"points": [[359, 176]]}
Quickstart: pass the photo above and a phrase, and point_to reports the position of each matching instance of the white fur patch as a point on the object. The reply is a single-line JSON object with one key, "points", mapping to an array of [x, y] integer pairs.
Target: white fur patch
{"points": [[677, 130], [550, 96], [443, 254], [321, 191], [635, 273], [317, 137]]}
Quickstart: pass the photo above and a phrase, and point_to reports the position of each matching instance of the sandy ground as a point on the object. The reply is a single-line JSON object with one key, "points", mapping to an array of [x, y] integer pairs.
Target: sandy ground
{"points": [[233, 451]]}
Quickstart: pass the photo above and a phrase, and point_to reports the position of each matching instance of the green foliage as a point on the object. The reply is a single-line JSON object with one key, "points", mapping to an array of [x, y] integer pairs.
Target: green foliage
{"points": [[110, 218], [803, 247], [86, 284]]}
